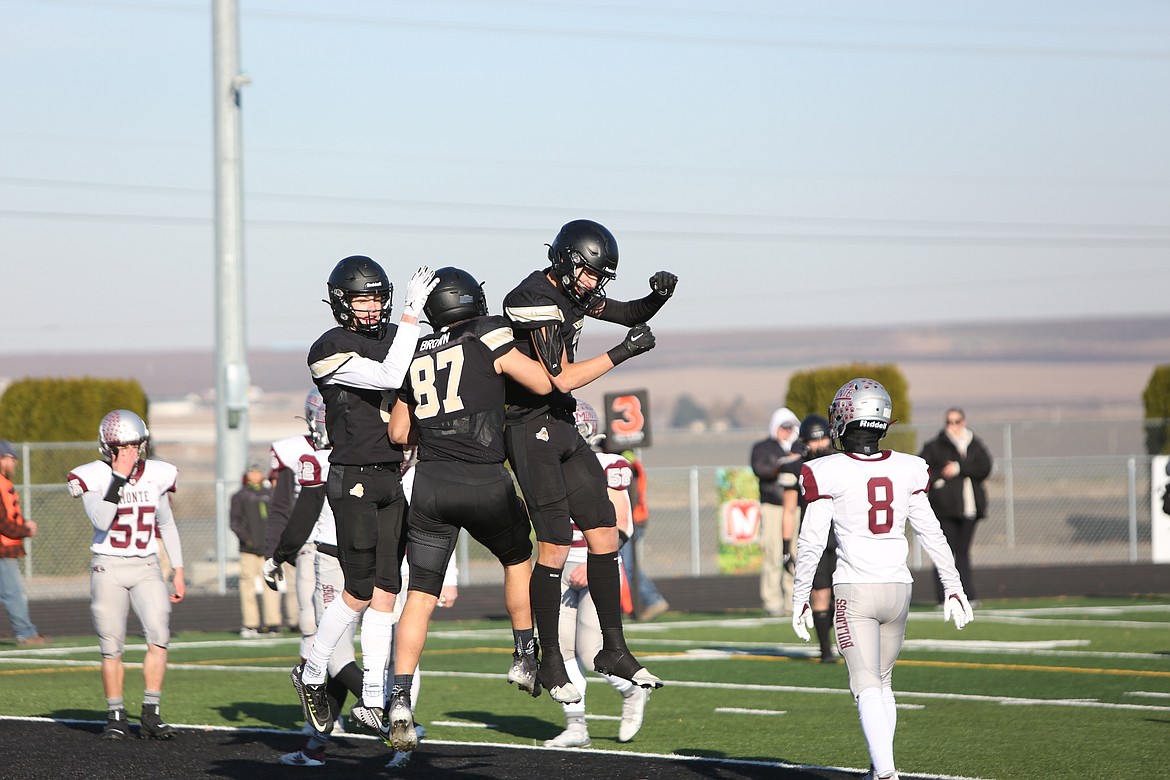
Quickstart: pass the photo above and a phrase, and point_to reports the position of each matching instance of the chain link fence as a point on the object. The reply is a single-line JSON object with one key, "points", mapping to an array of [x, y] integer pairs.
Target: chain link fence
{"points": [[1061, 493]]}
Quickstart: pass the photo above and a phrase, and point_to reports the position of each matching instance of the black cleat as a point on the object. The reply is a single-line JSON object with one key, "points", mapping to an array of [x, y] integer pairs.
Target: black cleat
{"points": [[116, 725], [621, 663], [151, 725], [555, 679], [314, 701]]}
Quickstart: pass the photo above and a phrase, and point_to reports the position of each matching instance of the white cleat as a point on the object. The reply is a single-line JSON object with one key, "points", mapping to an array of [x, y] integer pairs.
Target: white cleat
{"points": [[570, 738], [633, 708]]}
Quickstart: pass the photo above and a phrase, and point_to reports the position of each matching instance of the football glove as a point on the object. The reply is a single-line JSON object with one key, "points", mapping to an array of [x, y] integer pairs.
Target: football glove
{"points": [[957, 608], [273, 574], [418, 289], [663, 283], [640, 339], [802, 621]]}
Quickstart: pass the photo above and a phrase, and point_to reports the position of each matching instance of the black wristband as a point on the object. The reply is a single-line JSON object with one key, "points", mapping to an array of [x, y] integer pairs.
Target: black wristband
{"points": [[623, 537], [114, 491], [620, 354]]}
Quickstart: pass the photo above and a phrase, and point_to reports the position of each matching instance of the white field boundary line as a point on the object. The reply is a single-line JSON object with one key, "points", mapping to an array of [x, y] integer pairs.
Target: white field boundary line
{"points": [[1049, 649], [507, 746], [1012, 700]]}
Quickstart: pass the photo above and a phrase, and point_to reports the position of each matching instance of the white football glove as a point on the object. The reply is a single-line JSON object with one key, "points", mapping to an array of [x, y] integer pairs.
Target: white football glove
{"points": [[802, 621], [957, 608], [418, 289], [273, 574]]}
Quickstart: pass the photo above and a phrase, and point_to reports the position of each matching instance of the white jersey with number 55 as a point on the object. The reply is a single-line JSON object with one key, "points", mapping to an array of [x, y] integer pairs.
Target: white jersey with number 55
{"points": [[867, 499], [131, 529]]}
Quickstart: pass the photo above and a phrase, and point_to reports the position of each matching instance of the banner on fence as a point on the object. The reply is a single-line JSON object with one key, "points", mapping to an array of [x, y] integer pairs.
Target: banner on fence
{"points": [[739, 520], [1159, 519]]}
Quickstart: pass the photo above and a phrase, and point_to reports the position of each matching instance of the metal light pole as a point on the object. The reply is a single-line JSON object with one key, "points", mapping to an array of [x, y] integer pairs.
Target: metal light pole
{"points": [[231, 368]]}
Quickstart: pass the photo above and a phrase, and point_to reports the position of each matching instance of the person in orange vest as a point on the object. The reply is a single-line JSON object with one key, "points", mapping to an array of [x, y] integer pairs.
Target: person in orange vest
{"points": [[13, 530], [649, 603]]}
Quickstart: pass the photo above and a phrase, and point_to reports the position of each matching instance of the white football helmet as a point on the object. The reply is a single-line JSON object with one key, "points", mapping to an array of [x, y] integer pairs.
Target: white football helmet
{"points": [[315, 417], [119, 428], [588, 423], [860, 403]]}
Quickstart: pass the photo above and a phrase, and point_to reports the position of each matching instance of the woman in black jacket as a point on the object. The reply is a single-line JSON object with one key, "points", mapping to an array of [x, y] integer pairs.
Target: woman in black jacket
{"points": [[959, 463]]}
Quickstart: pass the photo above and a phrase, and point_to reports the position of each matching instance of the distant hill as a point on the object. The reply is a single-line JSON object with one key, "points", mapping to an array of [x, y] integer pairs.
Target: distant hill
{"points": [[1020, 369]]}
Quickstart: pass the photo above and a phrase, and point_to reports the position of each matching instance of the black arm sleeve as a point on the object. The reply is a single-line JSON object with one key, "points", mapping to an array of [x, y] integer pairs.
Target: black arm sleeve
{"points": [[284, 493], [304, 516], [631, 313]]}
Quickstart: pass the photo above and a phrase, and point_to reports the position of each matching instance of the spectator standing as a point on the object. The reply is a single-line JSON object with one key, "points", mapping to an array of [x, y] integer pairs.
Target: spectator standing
{"points": [[778, 508], [648, 602], [14, 528], [259, 606], [959, 463]]}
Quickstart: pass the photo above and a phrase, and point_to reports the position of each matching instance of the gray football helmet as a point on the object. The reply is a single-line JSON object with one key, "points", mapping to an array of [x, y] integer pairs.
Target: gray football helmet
{"points": [[119, 428], [588, 423], [315, 417], [860, 403]]}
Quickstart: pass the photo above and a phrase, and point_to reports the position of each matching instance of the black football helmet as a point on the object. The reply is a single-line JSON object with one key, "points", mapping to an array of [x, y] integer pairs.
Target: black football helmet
{"points": [[584, 243], [359, 275], [458, 296], [814, 426]]}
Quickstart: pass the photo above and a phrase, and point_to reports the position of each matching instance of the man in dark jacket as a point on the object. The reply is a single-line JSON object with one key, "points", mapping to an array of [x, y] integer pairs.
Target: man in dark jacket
{"points": [[959, 463], [249, 522], [778, 494]]}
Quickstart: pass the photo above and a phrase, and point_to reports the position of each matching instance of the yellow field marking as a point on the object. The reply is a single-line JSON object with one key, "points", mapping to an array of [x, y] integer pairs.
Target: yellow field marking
{"points": [[53, 669]]}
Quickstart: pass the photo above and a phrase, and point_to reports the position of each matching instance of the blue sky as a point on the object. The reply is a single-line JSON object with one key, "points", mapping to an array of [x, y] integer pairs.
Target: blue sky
{"points": [[796, 164]]}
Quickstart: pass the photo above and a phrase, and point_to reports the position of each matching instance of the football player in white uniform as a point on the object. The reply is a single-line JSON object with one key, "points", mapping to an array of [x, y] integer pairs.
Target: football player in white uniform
{"points": [[286, 457], [580, 629], [866, 495], [126, 497]]}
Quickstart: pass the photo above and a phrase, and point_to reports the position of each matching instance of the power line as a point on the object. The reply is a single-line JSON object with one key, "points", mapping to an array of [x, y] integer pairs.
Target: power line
{"points": [[950, 49], [743, 236], [978, 226]]}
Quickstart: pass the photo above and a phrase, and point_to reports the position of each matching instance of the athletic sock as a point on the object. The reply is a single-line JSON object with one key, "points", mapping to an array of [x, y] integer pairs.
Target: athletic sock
{"points": [[545, 593], [606, 589], [377, 633], [524, 640], [823, 625], [151, 697], [332, 627]]}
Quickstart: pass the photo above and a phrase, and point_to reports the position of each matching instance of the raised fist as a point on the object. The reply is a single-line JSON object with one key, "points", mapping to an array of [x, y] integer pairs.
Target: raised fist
{"points": [[663, 283], [640, 339]]}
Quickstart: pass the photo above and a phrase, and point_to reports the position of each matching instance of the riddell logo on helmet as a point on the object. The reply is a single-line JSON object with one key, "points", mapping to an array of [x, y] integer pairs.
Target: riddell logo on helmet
{"points": [[870, 424], [370, 285]]}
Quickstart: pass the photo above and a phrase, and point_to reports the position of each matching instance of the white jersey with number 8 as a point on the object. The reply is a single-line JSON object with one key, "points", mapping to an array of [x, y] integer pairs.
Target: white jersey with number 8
{"points": [[867, 499]]}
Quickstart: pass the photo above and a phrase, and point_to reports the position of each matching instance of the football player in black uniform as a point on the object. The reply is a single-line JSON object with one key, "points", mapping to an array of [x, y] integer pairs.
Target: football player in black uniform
{"points": [[357, 366], [558, 473], [453, 400], [814, 442]]}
